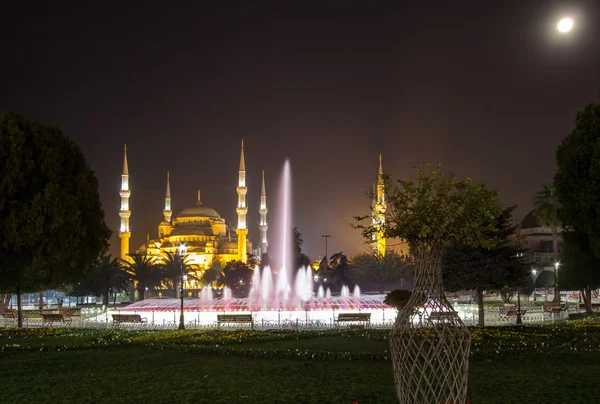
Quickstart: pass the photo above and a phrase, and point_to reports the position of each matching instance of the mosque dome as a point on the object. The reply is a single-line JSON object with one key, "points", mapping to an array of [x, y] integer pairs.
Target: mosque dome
{"points": [[199, 210], [530, 221], [228, 245]]}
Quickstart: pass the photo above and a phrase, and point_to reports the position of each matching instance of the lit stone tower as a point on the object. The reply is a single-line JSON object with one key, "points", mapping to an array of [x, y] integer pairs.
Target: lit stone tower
{"points": [[167, 212], [379, 211], [262, 227], [124, 212], [242, 209]]}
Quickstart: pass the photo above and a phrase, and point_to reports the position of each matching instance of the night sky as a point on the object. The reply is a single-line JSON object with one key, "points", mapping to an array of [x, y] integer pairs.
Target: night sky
{"points": [[487, 89]]}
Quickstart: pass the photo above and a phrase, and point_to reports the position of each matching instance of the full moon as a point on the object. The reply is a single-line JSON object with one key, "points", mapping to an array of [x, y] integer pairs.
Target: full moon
{"points": [[565, 25]]}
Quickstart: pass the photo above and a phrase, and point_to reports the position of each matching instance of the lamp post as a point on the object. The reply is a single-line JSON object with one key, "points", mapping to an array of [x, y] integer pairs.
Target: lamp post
{"points": [[533, 273], [556, 290], [519, 319], [326, 236], [182, 249]]}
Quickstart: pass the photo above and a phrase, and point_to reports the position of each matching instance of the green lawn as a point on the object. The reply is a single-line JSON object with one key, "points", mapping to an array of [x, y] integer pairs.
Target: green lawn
{"points": [[508, 365]]}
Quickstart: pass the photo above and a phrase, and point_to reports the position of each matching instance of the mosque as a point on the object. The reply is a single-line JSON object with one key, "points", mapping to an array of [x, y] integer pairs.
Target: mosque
{"points": [[203, 231], [206, 234]]}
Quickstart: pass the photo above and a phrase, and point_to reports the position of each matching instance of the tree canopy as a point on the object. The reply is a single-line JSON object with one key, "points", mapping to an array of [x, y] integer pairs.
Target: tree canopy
{"points": [[479, 268], [577, 179], [379, 270], [436, 209], [237, 276], [52, 225], [577, 182]]}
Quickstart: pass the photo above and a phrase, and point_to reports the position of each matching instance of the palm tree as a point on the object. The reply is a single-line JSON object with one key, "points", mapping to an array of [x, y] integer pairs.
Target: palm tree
{"points": [[338, 273], [546, 209], [213, 272], [144, 272], [108, 276], [171, 266]]}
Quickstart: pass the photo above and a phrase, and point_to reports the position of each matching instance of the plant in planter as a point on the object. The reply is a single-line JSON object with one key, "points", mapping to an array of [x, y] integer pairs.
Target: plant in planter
{"points": [[430, 344]]}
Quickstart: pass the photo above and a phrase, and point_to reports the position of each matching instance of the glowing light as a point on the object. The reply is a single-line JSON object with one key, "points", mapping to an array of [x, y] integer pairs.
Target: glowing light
{"points": [[565, 25]]}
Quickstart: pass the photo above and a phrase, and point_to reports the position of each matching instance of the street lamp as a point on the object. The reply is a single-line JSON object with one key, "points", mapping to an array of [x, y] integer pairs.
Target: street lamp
{"points": [[556, 290], [534, 272], [326, 236], [182, 250]]}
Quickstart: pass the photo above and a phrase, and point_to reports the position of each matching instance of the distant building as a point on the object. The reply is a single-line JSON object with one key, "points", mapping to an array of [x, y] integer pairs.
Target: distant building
{"points": [[537, 240]]}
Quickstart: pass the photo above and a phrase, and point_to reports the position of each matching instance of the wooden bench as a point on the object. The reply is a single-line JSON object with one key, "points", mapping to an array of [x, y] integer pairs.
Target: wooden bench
{"points": [[10, 315], [49, 318], [363, 318], [235, 319], [555, 308], [128, 318], [442, 315]]}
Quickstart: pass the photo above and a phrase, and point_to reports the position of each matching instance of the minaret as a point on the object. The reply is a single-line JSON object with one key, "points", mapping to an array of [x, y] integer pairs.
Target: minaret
{"points": [[124, 212], [242, 209], [168, 212], [379, 213], [262, 227]]}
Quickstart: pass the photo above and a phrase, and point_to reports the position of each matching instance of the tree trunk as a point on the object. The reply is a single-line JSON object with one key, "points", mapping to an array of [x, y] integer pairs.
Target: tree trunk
{"points": [[4, 302], [555, 251], [105, 297], [141, 292], [19, 309], [114, 300], [41, 302], [480, 307], [587, 299]]}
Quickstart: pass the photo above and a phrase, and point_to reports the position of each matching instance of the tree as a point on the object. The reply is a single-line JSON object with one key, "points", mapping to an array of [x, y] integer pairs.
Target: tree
{"points": [[301, 259], [382, 270], [265, 260], [237, 276], [52, 225], [577, 183], [338, 273], [502, 267], [430, 213], [107, 277], [252, 260], [145, 272], [546, 208], [580, 267], [171, 263], [213, 273], [397, 298], [297, 242]]}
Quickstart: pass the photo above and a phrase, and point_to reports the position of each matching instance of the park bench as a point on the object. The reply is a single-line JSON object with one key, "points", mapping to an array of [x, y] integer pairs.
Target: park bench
{"points": [[235, 319], [50, 318], [442, 316], [128, 318], [363, 318], [555, 307], [10, 315]]}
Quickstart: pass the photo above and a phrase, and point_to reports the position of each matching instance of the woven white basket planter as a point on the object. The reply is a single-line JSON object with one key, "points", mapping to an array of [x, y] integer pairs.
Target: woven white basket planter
{"points": [[429, 343]]}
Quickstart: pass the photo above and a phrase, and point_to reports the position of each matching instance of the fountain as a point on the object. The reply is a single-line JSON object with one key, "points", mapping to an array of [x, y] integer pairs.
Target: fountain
{"points": [[272, 297]]}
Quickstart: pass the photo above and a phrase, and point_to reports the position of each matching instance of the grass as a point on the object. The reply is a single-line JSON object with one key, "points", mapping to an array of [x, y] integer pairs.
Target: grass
{"points": [[558, 363]]}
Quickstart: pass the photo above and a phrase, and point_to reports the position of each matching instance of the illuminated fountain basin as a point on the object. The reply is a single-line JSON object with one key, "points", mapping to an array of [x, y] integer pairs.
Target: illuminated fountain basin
{"points": [[318, 311]]}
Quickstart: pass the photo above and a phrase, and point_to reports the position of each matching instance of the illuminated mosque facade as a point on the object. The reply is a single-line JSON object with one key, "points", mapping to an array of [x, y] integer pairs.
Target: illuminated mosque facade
{"points": [[200, 228]]}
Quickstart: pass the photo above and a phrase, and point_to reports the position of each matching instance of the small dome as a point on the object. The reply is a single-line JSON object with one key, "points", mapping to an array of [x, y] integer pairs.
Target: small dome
{"points": [[530, 221], [228, 245]]}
